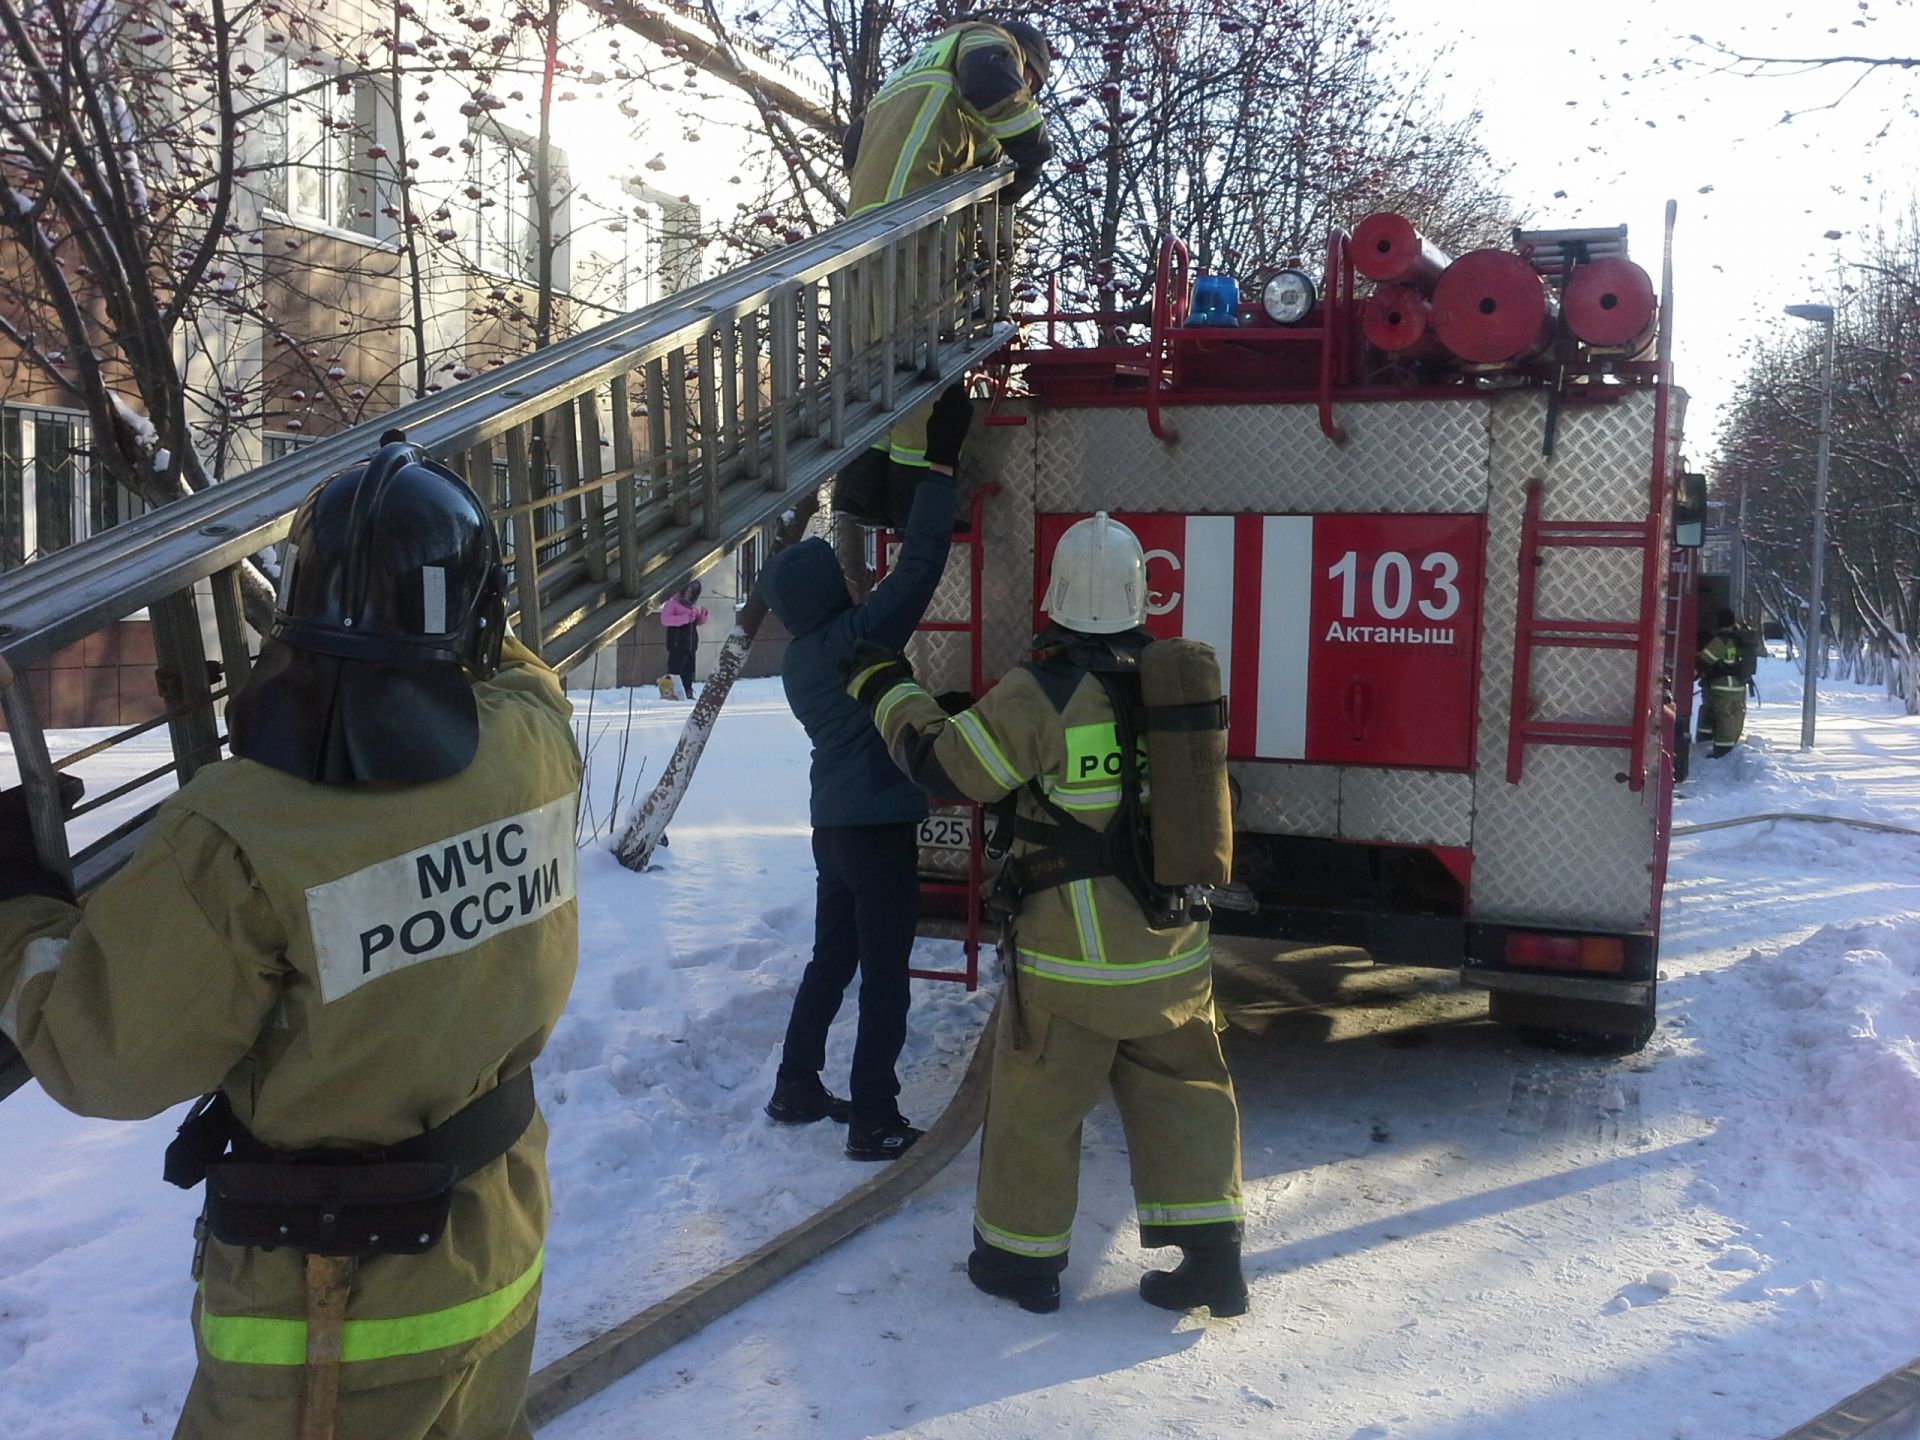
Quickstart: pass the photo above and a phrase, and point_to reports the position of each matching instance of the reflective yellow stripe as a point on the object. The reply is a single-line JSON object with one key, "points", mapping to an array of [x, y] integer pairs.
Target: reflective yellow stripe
{"points": [[887, 701], [999, 769], [1128, 972], [939, 87], [259, 1340], [1018, 123], [1077, 800], [1210, 1213], [987, 37], [1040, 1245], [1086, 920]]}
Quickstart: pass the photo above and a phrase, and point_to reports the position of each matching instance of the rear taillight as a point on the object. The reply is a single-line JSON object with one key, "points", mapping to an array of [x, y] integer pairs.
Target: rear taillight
{"points": [[1604, 953]]}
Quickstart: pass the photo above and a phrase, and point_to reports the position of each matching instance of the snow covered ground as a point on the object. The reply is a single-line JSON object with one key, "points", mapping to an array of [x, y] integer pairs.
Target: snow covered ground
{"points": [[1450, 1235]]}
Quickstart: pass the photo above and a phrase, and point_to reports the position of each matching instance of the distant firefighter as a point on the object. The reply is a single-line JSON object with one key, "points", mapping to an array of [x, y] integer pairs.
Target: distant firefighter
{"points": [[1726, 663]]}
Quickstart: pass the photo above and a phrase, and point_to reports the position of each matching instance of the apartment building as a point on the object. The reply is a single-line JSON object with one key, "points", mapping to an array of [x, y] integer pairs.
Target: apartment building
{"points": [[413, 207]]}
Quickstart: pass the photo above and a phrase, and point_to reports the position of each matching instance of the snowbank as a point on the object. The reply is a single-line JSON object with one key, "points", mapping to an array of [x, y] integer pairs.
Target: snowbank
{"points": [[1451, 1237]]}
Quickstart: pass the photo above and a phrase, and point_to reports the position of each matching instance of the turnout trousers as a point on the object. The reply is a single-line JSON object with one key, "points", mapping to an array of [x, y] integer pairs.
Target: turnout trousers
{"points": [[483, 1401], [1724, 717], [1176, 1105]]}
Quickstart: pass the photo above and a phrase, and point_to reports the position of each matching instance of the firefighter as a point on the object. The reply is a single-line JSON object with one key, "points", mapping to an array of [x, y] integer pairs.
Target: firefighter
{"points": [[965, 99], [1101, 992], [357, 934], [1726, 663]]}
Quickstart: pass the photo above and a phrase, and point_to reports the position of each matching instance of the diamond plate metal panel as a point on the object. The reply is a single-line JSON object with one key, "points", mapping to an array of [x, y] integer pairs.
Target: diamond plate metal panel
{"points": [[1405, 456], [1282, 799], [940, 660], [1570, 843], [1589, 584], [953, 595], [1007, 523], [1406, 807], [1584, 685]]}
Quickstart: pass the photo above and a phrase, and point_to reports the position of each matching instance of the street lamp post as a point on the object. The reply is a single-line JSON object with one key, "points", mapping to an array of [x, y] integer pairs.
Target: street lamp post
{"points": [[1816, 640]]}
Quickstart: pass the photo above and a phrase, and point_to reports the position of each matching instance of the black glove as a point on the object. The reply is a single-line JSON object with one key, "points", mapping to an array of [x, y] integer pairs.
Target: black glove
{"points": [[954, 702], [947, 426], [872, 670], [21, 872], [1024, 183]]}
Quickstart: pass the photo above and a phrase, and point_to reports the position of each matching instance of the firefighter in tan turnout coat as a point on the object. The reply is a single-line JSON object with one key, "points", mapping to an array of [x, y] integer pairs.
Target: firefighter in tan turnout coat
{"points": [[357, 935], [1100, 992], [965, 99]]}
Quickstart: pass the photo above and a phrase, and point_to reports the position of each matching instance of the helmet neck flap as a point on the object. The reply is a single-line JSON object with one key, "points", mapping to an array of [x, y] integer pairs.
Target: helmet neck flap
{"points": [[392, 603]]}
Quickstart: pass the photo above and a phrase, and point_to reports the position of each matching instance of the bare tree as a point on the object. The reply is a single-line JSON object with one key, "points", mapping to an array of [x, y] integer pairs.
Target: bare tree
{"points": [[1872, 609], [1250, 131], [1852, 69]]}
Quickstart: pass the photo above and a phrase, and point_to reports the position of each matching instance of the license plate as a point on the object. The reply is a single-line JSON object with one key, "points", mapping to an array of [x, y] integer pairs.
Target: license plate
{"points": [[946, 832]]}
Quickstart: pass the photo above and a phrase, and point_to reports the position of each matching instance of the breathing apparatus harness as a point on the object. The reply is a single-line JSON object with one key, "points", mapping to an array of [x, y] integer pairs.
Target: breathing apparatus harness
{"points": [[1064, 851]]}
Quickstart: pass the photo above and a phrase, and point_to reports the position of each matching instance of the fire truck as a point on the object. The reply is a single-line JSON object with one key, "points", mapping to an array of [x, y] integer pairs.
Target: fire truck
{"points": [[1438, 535]]}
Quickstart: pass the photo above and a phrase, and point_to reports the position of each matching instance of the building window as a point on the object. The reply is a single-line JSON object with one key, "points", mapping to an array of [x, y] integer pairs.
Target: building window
{"points": [[53, 491], [548, 520], [13, 492], [749, 560], [679, 243], [633, 272], [316, 144], [505, 238], [278, 447]]}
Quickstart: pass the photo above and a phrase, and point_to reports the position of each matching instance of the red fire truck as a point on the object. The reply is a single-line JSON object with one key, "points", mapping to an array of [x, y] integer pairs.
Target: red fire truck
{"points": [[1452, 611]]}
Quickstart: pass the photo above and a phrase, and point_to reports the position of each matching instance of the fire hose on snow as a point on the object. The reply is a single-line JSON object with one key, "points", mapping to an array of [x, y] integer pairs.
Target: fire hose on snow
{"points": [[1881, 826], [591, 1368]]}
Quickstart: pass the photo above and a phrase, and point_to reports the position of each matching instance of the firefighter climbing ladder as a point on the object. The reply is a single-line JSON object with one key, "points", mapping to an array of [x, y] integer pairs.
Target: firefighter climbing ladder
{"points": [[617, 463]]}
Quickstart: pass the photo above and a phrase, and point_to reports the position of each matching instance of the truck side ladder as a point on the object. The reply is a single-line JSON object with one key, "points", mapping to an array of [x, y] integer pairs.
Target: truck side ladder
{"points": [[1532, 630]]}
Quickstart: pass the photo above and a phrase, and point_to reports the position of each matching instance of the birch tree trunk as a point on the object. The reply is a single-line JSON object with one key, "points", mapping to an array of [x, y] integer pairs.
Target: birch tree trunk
{"points": [[649, 823]]}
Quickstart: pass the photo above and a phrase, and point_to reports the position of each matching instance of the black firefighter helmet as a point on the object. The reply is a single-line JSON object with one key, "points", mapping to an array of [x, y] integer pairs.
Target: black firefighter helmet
{"points": [[392, 603], [1033, 46]]}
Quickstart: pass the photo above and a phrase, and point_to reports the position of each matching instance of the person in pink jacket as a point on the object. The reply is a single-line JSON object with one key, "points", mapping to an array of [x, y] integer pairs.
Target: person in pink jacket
{"points": [[682, 616]]}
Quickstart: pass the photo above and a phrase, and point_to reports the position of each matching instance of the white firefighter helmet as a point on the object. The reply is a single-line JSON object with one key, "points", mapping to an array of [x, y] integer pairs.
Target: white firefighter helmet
{"points": [[1099, 584]]}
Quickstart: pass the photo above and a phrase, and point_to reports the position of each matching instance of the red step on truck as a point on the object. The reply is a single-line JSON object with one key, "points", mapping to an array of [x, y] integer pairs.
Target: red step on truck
{"points": [[1452, 595]]}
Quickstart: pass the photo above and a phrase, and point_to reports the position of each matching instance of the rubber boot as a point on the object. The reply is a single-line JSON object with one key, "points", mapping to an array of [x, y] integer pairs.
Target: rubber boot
{"points": [[1004, 1279], [1206, 1276], [802, 1099]]}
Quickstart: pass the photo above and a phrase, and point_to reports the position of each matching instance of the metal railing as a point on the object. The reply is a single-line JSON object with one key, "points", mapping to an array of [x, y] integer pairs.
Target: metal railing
{"points": [[618, 463]]}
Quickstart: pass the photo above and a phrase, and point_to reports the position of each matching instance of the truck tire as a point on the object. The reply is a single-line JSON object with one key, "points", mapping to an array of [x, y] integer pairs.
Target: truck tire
{"points": [[1576, 1027]]}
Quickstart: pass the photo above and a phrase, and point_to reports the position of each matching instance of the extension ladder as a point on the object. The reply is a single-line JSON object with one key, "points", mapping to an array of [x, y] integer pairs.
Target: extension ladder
{"points": [[752, 388]]}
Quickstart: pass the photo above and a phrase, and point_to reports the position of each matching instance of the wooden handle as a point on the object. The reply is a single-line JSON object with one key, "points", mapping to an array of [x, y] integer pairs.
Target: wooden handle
{"points": [[329, 1280]]}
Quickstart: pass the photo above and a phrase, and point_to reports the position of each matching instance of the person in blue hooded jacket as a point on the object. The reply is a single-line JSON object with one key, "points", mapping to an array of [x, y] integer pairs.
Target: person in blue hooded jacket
{"points": [[865, 813]]}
